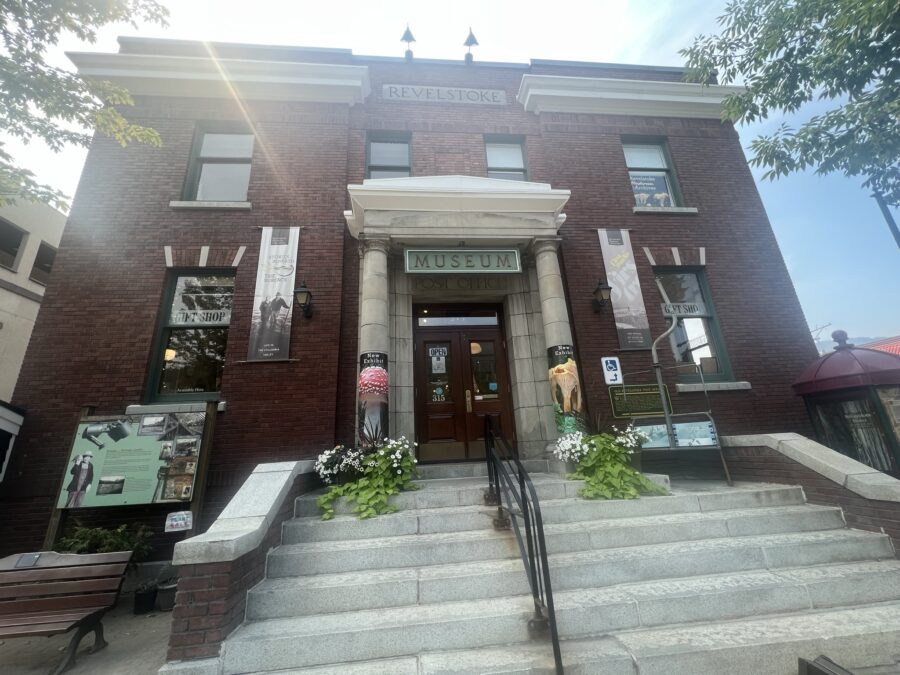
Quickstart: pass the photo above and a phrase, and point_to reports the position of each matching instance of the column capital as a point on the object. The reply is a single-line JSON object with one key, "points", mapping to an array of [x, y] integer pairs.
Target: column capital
{"points": [[379, 244], [539, 246]]}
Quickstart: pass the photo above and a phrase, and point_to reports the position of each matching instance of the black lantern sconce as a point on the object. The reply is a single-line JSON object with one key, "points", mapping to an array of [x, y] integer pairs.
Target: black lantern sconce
{"points": [[303, 298], [601, 295]]}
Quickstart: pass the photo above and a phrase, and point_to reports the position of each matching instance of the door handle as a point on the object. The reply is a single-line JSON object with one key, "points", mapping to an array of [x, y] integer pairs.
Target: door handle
{"points": [[468, 401]]}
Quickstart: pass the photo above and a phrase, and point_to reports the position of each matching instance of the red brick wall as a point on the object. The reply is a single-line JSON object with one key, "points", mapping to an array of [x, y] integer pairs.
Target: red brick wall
{"points": [[212, 598], [765, 464], [93, 340]]}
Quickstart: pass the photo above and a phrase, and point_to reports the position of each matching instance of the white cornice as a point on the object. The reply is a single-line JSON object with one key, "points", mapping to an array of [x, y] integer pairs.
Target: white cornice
{"points": [[452, 194], [554, 93], [147, 74]]}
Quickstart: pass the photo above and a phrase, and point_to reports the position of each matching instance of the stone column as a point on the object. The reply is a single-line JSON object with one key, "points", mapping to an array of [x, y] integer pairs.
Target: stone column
{"points": [[374, 340], [565, 384]]}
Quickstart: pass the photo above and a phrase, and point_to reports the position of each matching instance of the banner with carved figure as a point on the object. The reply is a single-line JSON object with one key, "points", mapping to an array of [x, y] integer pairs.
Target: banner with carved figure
{"points": [[273, 302], [565, 389], [626, 297]]}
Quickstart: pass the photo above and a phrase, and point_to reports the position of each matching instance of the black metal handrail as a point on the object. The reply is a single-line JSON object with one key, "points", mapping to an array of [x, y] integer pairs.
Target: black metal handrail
{"points": [[510, 489]]}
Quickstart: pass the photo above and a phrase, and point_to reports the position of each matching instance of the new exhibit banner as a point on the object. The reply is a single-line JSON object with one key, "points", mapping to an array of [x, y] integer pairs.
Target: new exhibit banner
{"points": [[626, 297], [273, 302], [133, 459]]}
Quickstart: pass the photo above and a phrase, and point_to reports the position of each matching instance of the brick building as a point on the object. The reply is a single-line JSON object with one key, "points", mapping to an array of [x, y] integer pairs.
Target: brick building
{"points": [[454, 222]]}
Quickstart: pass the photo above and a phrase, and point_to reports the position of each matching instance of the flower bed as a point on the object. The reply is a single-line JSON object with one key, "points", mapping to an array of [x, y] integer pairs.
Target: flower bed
{"points": [[602, 461], [367, 478]]}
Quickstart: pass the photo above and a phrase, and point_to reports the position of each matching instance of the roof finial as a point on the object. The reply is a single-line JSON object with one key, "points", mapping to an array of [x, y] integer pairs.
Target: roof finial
{"points": [[840, 336], [408, 38], [470, 42]]}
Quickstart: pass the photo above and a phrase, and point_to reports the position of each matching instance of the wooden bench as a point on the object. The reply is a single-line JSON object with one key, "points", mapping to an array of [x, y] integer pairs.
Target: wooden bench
{"points": [[58, 592]]}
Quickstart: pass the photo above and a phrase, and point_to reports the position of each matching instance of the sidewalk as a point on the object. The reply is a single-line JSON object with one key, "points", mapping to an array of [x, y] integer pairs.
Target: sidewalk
{"points": [[137, 646]]}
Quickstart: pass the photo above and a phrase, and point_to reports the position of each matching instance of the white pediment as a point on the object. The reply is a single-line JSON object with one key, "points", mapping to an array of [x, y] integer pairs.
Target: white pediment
{"points": [[430, 195]]}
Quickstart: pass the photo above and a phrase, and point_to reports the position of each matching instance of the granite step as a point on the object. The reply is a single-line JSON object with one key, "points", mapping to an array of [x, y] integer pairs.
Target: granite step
{"points": [[589, 514], [862, 639], [658, 601], [624, 611]]}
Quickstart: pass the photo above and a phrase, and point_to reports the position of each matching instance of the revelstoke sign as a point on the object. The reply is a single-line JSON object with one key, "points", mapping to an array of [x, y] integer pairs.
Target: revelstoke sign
{"points": [[462, 261], [426, 94]]}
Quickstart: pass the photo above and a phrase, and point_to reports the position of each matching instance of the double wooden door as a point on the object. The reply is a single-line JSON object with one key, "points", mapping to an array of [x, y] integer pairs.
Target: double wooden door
{"points": [[461, 375]]}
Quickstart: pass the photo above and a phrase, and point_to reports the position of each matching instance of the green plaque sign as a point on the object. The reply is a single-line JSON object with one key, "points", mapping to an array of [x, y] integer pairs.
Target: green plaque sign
{"points": [[637, 400], [462, 261]]}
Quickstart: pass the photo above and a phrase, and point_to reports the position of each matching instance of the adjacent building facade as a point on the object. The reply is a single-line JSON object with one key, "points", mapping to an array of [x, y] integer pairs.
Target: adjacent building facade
{"points": [[452, 222], [29, 237]]}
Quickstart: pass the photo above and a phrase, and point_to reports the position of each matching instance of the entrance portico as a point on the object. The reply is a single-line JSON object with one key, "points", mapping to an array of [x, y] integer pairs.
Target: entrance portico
{"points": [[463, 215]]}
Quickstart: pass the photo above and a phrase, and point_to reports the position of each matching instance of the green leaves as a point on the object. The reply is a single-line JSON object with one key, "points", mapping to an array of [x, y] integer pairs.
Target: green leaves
{"points": [[386, 472], [608, 474], [788, 53], [41, 101]]}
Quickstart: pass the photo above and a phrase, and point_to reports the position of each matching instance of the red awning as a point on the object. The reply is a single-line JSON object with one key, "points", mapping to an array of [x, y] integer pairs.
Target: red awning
{"points": [[848, 367]]}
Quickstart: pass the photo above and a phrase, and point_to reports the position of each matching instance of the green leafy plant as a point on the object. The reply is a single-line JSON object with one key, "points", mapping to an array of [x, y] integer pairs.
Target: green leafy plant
{"points": [[386, 471], [603, 463], [135, 538]]}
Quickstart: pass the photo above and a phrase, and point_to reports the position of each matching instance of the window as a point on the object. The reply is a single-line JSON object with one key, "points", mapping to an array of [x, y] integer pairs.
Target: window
{"points": [[193, 336], [220, 168], [11, 240], [697, 340], [388, 158], [651, 175], [505, 160], [43, 263]]}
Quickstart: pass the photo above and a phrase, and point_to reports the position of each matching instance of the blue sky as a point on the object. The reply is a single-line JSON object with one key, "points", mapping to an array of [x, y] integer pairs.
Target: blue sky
{"points": [[841, 255]]}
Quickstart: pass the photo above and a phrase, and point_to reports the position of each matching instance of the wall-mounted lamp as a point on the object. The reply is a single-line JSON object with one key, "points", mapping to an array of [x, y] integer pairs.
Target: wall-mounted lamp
{"points": [[303, 298], [601, 295]]}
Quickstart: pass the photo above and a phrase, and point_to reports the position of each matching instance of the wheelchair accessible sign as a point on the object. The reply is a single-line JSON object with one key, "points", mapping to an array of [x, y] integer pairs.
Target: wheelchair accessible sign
{"points": [[612, 370]]}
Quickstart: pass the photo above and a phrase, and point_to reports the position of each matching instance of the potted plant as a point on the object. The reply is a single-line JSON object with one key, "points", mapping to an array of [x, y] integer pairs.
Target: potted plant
{"points": [[145, 597], [166, 586]]}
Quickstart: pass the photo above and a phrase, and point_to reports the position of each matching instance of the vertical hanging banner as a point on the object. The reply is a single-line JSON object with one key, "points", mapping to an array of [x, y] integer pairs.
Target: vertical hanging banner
{"points": [[372, 390], [626, 297], [565, 389], [273, 302]]}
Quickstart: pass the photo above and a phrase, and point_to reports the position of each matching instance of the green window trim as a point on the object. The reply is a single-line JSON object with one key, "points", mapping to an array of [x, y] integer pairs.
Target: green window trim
{"points": [[725, 374], [157, 358], [519, 170], [196, 162], [671, 176], [397, 138]]}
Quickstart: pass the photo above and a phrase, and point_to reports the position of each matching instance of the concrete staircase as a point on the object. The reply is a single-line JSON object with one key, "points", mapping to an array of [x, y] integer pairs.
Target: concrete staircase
{"points": [[709, 580]]}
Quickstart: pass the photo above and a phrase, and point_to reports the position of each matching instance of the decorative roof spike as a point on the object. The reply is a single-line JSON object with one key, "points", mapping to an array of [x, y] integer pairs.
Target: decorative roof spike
{"points": [[470, 42], [408, 38]]}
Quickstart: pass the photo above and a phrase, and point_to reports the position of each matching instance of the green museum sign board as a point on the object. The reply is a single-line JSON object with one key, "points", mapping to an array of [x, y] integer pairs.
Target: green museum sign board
{"points": [[637, 400], [462, 261]]}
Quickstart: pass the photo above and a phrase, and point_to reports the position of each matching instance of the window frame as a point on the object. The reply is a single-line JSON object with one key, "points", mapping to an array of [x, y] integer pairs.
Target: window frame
{"points": [[196, 162], [726, 373], [494, 139], [55, 250], [157, 357], [20, 251], [388, 137], [670, 174]]}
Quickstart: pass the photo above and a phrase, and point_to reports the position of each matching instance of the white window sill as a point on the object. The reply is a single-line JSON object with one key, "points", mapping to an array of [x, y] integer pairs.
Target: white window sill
{"points": [[156, 408], [227, 206], [669, 210], [712, 386]]}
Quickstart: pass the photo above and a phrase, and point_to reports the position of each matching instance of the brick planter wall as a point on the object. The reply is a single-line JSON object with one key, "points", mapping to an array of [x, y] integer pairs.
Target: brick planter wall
{"points": [[765, 464], [212, 598]]}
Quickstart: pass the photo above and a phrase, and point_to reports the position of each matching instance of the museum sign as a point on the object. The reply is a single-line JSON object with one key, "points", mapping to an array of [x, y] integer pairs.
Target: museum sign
{"points": [[462, 261]]}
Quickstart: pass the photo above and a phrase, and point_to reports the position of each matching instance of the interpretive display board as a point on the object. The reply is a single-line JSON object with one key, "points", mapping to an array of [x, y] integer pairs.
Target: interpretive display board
{"points": [[133, 459], [687, 435], [637, 400]]}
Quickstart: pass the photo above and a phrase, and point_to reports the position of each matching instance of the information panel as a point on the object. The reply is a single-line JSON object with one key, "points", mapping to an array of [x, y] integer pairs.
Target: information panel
{"points": [[133, 459], [637, 400]]}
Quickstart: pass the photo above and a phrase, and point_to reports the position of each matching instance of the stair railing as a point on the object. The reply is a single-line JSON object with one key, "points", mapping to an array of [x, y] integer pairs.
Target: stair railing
{"points": [[510, 489]]}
